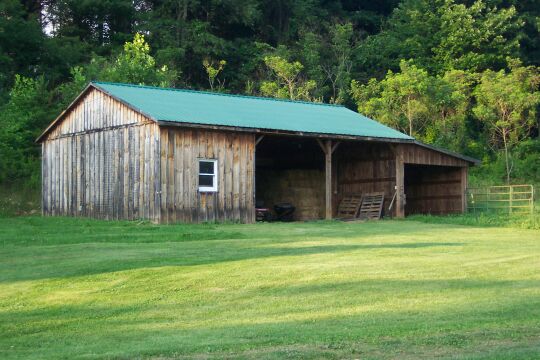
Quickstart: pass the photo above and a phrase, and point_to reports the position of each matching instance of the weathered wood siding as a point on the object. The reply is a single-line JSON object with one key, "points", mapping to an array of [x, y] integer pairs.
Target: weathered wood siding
{"points": [[102, 161], [365, 168], [415, 154], [181, 201], [433, 190], [107, 174], [429, 181], [95, 111]]}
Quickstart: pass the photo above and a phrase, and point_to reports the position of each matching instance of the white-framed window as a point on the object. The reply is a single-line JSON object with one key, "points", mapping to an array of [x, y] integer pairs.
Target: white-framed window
{"points": [[208, 175]]}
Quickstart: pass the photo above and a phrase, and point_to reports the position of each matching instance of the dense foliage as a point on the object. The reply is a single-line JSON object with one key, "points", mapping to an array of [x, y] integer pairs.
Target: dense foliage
{"points": [[461, 74]]}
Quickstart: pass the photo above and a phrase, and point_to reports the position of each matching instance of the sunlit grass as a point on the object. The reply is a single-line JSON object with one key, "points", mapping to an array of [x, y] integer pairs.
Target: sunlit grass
{"points": [[77, 288]]}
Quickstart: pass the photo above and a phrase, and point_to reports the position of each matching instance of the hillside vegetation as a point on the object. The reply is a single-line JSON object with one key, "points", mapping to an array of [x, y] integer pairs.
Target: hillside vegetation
{"points": [[462, 75]]}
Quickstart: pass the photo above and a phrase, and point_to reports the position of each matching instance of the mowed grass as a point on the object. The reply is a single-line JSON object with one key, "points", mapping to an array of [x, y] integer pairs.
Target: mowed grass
{"points": [[78, 288]]}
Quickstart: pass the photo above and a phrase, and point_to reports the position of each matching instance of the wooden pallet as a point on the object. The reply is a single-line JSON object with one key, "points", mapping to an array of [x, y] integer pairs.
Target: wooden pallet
{"points": [[372, 205], [349, 206]]}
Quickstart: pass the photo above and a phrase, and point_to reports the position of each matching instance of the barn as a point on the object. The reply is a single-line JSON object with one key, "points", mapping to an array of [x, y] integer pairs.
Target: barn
{"points": [[123, 151]]}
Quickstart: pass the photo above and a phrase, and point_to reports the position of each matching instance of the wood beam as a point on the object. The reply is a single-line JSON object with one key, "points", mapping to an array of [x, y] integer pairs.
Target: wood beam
{"points": [[328, 167], [259, 139], [334, 147], [322, 145], [400, 186], [464, 186], [328, 149]]}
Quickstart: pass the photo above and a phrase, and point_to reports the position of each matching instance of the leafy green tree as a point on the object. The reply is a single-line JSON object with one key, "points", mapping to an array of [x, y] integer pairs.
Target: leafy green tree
{"points": [[68, 91], [476, 37], [507, 104], [449, 102], [213, 71], [441, 35], [338, 70], [400, 100], [28, 110], [287, 82], [21, 44], [136, 65], [432, 108]]}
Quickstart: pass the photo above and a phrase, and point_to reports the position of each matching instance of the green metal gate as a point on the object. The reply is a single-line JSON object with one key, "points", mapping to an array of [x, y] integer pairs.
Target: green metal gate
{"points": [[511, 199]]}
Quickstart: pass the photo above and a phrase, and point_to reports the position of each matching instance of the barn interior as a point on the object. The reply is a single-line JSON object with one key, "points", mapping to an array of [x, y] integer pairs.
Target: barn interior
{"points": [[292, 170], [432, 189]]}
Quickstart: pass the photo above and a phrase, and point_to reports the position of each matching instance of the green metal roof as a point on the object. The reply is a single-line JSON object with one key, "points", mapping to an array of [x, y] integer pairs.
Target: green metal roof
{"points": [[206, 108]]}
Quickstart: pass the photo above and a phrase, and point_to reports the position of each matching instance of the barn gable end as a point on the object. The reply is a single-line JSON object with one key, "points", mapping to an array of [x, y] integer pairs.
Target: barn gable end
{"points": [[93, 110], [100, 159]]}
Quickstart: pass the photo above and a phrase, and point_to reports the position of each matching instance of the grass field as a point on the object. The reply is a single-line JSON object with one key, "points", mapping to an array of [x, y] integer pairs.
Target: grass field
{"points": [[76, 288]]}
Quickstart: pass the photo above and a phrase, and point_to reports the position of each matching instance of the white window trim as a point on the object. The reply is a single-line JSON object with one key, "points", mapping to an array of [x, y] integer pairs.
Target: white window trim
{"points": [[213, 188]]}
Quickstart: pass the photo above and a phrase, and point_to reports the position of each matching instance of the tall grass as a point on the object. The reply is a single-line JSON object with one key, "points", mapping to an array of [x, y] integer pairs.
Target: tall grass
{"points": [[520, 221], [16, 200]]}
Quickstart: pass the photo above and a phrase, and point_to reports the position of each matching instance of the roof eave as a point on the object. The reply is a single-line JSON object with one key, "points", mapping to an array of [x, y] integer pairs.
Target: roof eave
{"points": [[264, 131]]}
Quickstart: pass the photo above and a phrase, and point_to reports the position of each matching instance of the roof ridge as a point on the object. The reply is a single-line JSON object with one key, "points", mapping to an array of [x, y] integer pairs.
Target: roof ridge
{"points": [[217, 94]]}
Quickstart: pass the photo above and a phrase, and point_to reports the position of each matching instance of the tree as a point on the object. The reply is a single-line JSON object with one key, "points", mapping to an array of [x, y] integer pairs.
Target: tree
{"points": [[476, 37], [287, 82], [507, 104], [400, 100], [449, 100], [338, 70], [213, 72], [136, 65], [28, 110], [21, 44], [441, 35]]}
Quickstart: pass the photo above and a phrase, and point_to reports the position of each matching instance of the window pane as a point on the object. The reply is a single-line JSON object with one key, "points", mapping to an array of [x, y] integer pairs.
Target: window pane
{"points": [[206, 167], [206, 180]]}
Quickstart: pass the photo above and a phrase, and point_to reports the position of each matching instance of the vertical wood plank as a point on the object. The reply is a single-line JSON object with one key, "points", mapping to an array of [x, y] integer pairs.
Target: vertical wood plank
{"points": [[400, 184]]}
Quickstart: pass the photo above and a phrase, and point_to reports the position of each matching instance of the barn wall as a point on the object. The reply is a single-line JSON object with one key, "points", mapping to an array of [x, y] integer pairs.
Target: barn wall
{"points": [[438, 189], [180, 199], [415, 154], [102, 161], [95, 111], [365, 168], [110, 174]]}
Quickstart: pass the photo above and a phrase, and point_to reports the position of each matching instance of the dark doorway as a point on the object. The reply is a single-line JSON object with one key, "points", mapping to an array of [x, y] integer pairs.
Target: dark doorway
{"points": [[432, 189], [290, 170]]}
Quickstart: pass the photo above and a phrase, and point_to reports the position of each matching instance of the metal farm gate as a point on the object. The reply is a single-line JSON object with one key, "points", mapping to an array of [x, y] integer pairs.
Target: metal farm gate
{"points": [[510, 199]]}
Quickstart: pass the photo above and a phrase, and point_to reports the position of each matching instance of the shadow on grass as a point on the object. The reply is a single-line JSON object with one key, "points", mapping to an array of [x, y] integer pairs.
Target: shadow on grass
{"points": [[170, 329], [34, 263]]}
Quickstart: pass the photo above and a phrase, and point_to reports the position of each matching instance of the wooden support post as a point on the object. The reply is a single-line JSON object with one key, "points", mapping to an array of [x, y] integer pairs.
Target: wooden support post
{"points": [[464, 189], [328, 148], [400, 186]]}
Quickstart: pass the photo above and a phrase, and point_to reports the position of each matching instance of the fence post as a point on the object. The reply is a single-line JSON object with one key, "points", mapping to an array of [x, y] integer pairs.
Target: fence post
{"points": [[511, 197], [532, 200], [488, 199]]}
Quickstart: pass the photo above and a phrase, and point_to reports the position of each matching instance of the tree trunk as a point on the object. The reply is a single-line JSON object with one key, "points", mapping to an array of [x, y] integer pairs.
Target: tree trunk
{"points": [[506, 158], [409, 117]]}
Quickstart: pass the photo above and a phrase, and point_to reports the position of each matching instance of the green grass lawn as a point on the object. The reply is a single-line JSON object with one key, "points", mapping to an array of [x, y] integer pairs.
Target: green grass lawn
{"points": [[77, 288]]}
